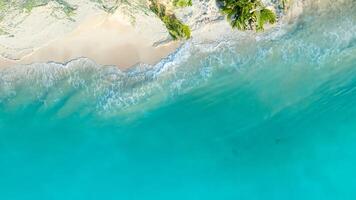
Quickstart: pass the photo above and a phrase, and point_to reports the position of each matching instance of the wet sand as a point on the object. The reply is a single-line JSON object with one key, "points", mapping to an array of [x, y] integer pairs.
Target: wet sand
{"points": [[106, 39]]}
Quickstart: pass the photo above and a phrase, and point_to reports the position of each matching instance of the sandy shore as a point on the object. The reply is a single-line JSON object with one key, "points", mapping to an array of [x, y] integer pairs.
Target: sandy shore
{"points": [[6, 62], [106, 39]]}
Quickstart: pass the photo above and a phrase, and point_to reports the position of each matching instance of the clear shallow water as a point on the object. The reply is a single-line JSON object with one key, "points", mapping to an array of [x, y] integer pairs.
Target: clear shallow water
{"points": [[267, 119]]}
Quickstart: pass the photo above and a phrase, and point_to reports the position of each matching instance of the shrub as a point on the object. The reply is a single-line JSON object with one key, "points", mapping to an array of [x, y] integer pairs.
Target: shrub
{"points": [[247, 14], [175, 27], [182, 3]]}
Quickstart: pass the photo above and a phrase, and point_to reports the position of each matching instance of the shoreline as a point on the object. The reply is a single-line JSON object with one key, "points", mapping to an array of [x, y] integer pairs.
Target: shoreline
{"points": [[118, 40], [4, 62], [106, 39]]}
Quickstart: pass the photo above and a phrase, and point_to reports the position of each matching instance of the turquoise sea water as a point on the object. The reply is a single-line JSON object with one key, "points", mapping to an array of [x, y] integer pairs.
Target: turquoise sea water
{"points": [[272, 118]]}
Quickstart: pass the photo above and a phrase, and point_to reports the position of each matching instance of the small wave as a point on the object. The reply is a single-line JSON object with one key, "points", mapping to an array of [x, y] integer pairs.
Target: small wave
{"points": [[84, 87]]}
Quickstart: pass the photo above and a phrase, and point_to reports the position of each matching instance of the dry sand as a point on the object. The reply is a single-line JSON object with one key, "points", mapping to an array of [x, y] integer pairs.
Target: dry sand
{"points": [[106, 39]]}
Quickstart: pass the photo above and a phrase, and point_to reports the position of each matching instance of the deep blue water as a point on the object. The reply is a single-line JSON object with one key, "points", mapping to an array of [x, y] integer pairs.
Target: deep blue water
{"points": [[273, 118]]}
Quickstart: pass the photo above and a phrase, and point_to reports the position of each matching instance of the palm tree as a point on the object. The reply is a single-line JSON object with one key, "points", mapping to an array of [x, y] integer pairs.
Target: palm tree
{"points": [[246, 14]]}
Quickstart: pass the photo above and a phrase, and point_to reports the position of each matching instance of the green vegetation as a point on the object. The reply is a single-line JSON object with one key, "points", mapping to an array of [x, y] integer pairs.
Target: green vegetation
{"points": [[247, 14], [284, 4], [28, 5], [2, 5], [127, 7], [265, 16], [175, 27], [68, 9], [109, 6], [3, 32], [182, 3]]}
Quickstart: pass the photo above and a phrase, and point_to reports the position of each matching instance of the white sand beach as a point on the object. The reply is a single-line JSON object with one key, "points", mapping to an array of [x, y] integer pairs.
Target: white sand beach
{"points": [[107, 39], [5, 62], [122, 38]]}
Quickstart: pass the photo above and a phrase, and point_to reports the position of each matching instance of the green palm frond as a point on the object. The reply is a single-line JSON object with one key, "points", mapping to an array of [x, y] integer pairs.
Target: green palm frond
{"points": [[246, 14]]}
